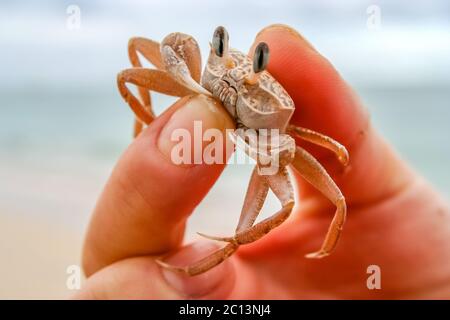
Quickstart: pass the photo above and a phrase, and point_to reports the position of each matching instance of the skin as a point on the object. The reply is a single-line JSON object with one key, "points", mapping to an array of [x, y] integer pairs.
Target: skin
{"points": [[396, 220]]}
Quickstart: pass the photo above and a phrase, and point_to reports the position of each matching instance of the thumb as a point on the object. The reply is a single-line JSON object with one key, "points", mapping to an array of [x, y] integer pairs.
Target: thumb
{"points": [[142, 278], [144, 206]]}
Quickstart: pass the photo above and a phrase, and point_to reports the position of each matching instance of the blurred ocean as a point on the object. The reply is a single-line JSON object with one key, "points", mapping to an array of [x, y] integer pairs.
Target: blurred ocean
{"points": [[63, 125]]}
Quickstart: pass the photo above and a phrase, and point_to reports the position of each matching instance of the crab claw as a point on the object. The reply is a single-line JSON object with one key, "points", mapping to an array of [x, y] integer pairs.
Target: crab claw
{"points": [[224, 239], [178, 69]]}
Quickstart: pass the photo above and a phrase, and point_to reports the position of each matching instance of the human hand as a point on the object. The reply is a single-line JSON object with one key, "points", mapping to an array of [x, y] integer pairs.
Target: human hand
{"points": [[395, 219]]}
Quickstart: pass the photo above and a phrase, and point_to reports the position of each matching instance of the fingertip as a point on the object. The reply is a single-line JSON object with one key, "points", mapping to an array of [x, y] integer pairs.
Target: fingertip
{"points": [[324, 101]]}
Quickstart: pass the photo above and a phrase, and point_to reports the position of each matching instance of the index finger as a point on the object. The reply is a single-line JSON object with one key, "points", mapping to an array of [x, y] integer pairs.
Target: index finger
{"points": [[145, 204], [325, 103]]}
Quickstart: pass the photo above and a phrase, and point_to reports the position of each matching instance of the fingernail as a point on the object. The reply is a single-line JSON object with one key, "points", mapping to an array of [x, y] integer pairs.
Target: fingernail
{"points": [[214, 283], [199, 114]]}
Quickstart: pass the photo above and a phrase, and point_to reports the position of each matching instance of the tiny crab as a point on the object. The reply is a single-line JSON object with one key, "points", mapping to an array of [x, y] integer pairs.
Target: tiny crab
{"points": [[255, 100]]}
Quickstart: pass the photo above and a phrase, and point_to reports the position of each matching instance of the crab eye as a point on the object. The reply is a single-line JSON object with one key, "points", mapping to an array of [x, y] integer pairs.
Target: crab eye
{"points": [[220, 41], [261, 57]]}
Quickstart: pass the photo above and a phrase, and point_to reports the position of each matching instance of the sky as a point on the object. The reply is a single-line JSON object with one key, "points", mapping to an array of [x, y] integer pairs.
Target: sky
{"points": [[409, 47]]}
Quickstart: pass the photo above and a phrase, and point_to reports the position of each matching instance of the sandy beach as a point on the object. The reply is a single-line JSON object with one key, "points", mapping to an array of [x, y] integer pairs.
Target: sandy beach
{"points": [[36, 255]]}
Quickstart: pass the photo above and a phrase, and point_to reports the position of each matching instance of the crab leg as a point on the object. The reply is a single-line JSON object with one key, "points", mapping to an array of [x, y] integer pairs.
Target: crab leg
{"points": [[254, 200], [204, 264], [313, 172], [279, 182], [321, 140], [149, 50], [282, 188], [149, 79]]}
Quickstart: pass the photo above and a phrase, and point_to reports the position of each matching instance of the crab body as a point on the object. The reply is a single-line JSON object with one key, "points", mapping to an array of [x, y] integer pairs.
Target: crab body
{"points": [[261, 105]]}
